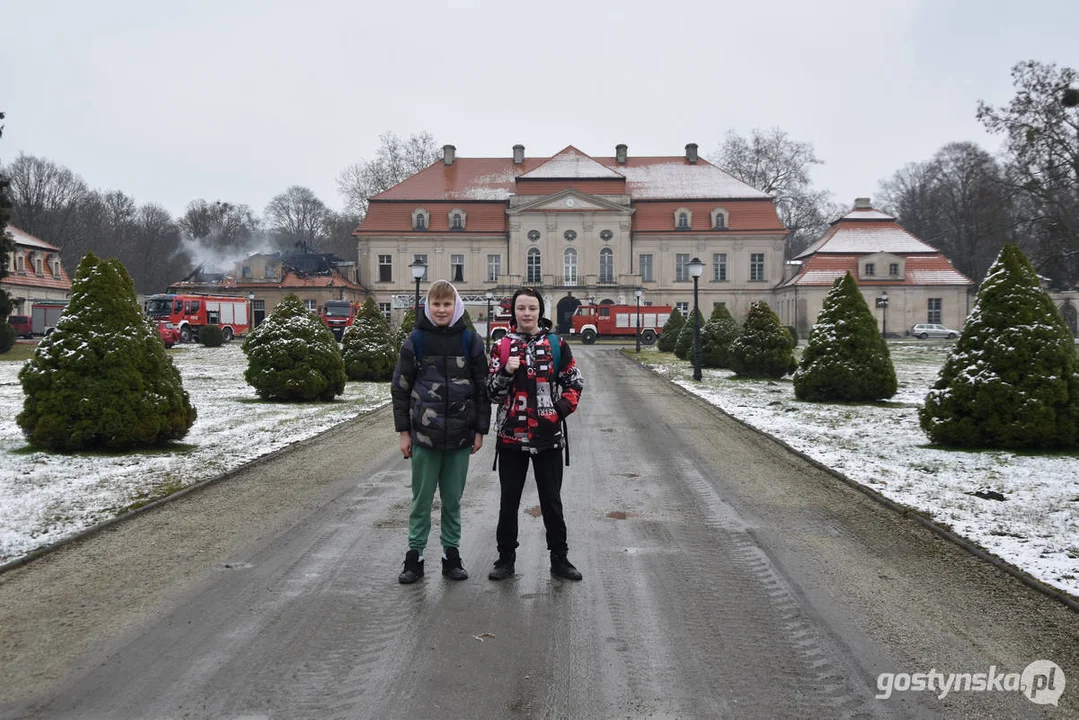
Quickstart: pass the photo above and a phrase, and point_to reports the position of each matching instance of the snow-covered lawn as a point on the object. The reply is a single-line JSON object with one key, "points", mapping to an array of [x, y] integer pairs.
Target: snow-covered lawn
{"points": [[45, 497], [1035, 528]]}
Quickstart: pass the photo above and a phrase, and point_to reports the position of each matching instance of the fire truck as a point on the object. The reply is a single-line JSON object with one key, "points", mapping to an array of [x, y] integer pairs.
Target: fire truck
{"points": [[338, 315], [500, 322], [191, 312], [592, 321]]}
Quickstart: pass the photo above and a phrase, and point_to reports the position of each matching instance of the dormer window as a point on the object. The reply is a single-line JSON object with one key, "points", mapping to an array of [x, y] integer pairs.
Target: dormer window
{"points": [[682, 219], [870, 269], [421, 219], [457, 219], [719, 219], [893, 270]]}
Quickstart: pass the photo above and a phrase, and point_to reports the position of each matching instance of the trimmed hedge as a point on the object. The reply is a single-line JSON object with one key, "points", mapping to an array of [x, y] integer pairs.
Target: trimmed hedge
{"points": [[671, 330], [293, 356], [683, 348], [716, 338], [211, 336], [102, 378], [1012, 380], [845, 358]]}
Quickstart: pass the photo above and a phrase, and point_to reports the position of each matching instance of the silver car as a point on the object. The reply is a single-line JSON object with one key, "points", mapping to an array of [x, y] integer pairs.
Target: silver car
{"points": [[928, 330]]}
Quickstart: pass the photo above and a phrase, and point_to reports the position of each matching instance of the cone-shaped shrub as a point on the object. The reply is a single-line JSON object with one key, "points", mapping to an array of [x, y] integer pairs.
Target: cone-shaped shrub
{"points": [[683, 347], [716, 338], [468, 322], [1011, 381], [211, 336], [845, 358], [671, 329], [408, 322], [369, 346], [102, 379], [7, 336], [764, 349], [293, 356]]}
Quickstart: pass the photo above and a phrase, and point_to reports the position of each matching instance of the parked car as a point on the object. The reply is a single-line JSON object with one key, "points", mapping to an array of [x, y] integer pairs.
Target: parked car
{"points": [[170, 334], [928, 330], [22, 325]]}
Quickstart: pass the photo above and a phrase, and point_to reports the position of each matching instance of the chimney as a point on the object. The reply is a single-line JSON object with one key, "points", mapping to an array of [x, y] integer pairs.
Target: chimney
{"points": [[691, 153], [862, 204], [518, 154], [449, 153], [620, 154]]}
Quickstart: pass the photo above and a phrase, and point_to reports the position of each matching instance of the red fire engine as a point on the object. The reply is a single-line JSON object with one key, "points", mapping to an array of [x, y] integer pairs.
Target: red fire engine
{"points": [[338, 315], [592, 321], [190, 312]]}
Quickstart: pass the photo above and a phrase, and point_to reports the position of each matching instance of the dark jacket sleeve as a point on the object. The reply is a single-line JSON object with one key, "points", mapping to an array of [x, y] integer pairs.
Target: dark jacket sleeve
{"points": [[570, 381], [404, 376], [478, 367]]}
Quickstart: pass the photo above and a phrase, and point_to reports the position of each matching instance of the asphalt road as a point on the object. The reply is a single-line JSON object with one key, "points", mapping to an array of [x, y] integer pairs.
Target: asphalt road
{"points": [[724, 578]]}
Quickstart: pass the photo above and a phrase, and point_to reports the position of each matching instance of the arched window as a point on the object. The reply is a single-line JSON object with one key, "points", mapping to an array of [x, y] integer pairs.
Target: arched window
{"points": [[420, 219], [569, 266], [535, 269], [683, 219], [457, 224], [421, 222], [456, 219], [606, 265]]}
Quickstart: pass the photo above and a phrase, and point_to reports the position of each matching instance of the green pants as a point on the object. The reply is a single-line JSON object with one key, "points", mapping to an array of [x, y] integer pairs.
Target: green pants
{"points": [[446, 470]]}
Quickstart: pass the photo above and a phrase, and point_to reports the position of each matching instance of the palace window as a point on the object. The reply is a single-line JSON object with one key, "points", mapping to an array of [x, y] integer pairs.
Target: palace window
{"points": [[457, 268], [683, 219], [719, 219], [457, 219], [719, 267], [386, 309], [935, 310], [756, 266], [645, 261], [494, 267], [683, 307], [535, 267], [681, 267], [569, 266], [606, 265], [385, 268], [421, 219], [870, 269]]}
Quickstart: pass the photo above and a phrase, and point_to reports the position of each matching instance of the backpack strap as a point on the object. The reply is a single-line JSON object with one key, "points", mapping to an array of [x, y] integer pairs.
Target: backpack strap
{"points": [[556, 351], [417, 345]]}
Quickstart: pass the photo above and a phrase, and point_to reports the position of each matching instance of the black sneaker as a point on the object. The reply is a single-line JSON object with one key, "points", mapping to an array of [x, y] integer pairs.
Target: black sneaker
{"points": [[503, 567], [451, 565], [413, 568], [563, 568]]}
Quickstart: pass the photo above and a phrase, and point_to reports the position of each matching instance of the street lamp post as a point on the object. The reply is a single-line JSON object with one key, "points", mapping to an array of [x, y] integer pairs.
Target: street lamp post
{"points": [[696, 267], [251, 310], [487, 344], [419, 269], [882, 303], [637, 293]]}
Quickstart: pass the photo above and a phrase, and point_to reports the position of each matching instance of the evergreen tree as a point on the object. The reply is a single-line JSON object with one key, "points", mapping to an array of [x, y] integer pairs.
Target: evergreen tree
{"points": [[468, 322], [211, 336], [845, 359], [408, 321], [671, 329], [1012, 380], [368, 347], [716, 337], [764, 349], [7, 333], [293, 356], [102, 378], [683, 347]]}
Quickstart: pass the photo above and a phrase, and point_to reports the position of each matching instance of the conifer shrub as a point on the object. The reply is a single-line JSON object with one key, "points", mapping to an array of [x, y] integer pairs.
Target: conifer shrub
{"points": [[7, 336], [369, 347], [1012, 380], [102, 378], [292, 356], [211, 336], [671, 330], [793, 332], [716, 337], [845, 358], [408, 322], [468, 321], [683, 347], [764, 348]]}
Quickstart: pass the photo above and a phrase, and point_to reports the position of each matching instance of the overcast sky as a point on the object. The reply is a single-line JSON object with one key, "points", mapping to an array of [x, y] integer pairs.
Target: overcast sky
{"points": [[236, 99]]}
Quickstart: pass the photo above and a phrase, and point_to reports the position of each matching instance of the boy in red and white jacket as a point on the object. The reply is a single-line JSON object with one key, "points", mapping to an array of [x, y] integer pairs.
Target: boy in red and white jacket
{"points": [[533, 398]]}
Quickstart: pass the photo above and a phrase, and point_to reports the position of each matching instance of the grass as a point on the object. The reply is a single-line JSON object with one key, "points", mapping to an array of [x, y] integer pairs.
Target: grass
{"points": [[20, 352]]}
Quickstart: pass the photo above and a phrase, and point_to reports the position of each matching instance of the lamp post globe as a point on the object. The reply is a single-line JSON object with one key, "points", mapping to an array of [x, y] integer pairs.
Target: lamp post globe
{"points": [[419, 269], [637, 293], [696, 267], [487, 343]]}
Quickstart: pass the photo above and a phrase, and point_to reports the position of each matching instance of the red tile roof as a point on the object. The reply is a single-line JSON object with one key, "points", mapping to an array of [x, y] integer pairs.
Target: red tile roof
{"points": [[823, 269], [867, 231], [26, 243]]}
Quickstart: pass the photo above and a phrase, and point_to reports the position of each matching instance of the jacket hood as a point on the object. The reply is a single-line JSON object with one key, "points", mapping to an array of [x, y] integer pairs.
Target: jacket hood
{"points": [[542, 311], [458, 307]]}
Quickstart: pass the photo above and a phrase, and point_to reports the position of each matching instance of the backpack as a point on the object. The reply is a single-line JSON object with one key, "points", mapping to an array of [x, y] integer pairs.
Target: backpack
{"points": [[417, 344], [556, 351]]}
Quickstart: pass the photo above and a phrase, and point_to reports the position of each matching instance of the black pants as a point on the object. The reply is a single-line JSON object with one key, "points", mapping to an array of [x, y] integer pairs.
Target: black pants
{"points": [[512, 471]]}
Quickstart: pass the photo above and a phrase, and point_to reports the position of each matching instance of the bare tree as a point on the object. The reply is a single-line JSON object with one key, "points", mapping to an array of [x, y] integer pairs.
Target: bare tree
{"points": [[45, 197], [957, 203], [339, 238], [772, 162], [220, 226], [1041, 126], [154, 257], [298, 219], [395, 160]]}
